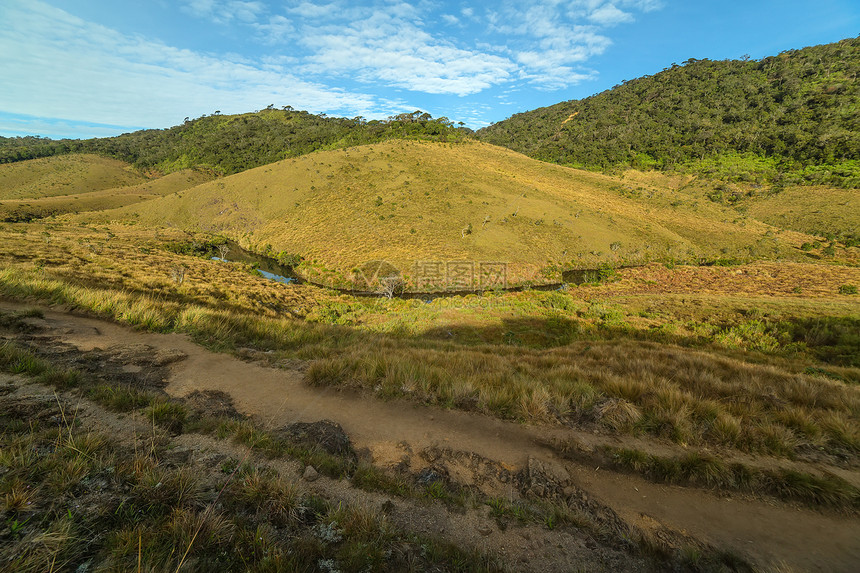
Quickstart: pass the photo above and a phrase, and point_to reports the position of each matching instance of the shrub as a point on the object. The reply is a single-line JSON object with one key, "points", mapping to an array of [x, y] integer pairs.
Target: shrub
{"points": [[169, 415], [848, 289]]}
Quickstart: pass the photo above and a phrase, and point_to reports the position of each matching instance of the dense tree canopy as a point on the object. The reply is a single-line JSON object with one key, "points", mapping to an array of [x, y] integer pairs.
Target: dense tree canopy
{"points": [[233, 143], [787, 118]]}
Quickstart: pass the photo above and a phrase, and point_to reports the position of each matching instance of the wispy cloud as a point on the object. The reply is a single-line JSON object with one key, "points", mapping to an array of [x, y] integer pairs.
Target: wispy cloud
{"points": [[225, 11], [351, 57], [57, 65], [22, 125], [551, 41], [609, 15], [392, 47], [644, 5], [401, 45]]}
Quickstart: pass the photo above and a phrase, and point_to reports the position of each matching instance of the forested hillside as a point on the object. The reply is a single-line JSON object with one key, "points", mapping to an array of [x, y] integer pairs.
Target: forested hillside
{"points": [[784, 119], [233, 143]]}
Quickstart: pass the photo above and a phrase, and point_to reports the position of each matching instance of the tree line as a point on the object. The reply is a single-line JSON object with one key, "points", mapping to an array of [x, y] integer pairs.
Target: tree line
{"points": [[784, 119], [232, 143]]}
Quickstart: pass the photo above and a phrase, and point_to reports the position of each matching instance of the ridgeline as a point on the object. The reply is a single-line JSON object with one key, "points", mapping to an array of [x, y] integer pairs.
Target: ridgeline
{"points": [[788, 119], [229, 144]]}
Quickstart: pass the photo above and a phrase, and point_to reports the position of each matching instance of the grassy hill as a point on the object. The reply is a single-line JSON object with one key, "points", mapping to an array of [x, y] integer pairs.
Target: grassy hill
{"points": [[408, 201], [786, 119], [64, 175], [820, 211], [233, 143]]}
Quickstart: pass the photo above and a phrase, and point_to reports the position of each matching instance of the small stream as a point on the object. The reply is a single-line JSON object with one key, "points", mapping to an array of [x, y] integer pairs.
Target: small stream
{"points": [[266, 266], [271, 269]]}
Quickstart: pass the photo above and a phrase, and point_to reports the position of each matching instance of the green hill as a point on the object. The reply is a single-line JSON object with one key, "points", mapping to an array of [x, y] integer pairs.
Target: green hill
{"points": [[786, 119], [419, 201], [233, 143]]}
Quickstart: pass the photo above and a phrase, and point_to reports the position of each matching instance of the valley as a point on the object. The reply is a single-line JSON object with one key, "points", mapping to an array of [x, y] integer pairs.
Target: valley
{"points": [[564, 342]]}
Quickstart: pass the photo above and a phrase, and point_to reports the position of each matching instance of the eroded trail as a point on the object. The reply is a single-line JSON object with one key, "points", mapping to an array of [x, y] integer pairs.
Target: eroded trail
{"points": [[766, 531]]}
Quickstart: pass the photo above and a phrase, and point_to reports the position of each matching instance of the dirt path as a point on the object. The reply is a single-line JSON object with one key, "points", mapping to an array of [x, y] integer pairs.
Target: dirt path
{"points": [[768, 532]]}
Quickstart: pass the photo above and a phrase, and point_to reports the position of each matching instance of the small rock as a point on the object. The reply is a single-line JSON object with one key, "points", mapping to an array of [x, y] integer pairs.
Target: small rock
{"points": [[310, 474], [431, 475], [485, 530], [388, 507]]}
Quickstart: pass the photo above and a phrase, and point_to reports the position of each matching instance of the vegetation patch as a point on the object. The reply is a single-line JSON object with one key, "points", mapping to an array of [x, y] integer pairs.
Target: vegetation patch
{"points": [[704, 470]]}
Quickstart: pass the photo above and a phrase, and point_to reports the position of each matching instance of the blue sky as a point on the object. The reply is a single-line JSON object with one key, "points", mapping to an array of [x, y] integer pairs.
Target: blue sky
{"points": [[87, 68]]}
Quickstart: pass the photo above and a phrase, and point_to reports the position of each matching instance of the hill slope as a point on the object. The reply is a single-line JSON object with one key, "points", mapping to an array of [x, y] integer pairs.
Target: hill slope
{"points": [[233, 143], [417, 201], [785, 119], [81, 179], [64, 175]]}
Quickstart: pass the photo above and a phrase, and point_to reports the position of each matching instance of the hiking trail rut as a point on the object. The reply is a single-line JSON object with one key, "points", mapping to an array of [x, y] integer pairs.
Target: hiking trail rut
{"points": [[767, 531]]}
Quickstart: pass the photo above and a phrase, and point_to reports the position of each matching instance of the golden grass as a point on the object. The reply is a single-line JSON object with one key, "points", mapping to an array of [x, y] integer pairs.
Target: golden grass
{"points": [[96, 200], [64, 175], [545, 357], [813, 210], [406, 201]]}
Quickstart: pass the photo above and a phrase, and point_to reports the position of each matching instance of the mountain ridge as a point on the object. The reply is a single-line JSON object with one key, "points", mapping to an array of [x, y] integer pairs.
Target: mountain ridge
{"points": [[782, 120]]}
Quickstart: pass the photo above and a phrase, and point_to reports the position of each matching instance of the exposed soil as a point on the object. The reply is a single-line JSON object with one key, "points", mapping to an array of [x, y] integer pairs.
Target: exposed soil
{"points": [[472, 451]]}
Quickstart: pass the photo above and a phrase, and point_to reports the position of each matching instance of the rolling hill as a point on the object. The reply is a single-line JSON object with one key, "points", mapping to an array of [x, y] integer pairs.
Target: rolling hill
{"points": [[74, 176], [64, 175], [408, 201], [232, 143], [787, 119]]}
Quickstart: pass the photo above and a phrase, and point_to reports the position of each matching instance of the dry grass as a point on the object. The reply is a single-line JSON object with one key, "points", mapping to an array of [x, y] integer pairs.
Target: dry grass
{"points": [[71, 496], [705, 470], [816, 210], [689, 397], [715, 378], [406, 201], [86, 196], [64, 175]]}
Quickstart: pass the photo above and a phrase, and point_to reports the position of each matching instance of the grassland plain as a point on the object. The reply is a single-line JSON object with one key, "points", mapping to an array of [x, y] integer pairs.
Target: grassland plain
{"points": [[406, 201], [834, 212], [587, 359], [671, 364]]}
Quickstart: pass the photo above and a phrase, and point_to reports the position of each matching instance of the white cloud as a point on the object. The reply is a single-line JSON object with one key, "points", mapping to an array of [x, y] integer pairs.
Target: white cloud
{"points": [[548, 43], [644, 5], [276, 30], [391, 47], [57, 65], [609, 15], [225, 11], [312, 11]]}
